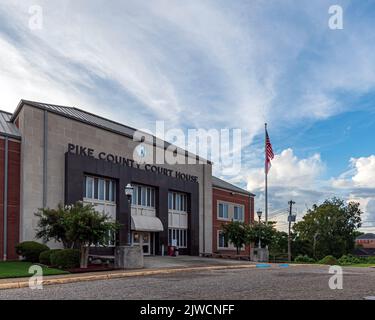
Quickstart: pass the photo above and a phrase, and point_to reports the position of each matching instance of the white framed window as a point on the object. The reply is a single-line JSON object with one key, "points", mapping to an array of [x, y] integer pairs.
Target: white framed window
{"points": [[177, 237], [89, 186], [101, 189], [177, 201], [238, 213], [223, 212], [170, 200], [143, 196], [221, 241], [111, 240], [225, 245]]}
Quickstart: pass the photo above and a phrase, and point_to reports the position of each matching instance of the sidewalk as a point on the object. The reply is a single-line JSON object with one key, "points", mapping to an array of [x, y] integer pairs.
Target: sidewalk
{"points": [[153, 266]]}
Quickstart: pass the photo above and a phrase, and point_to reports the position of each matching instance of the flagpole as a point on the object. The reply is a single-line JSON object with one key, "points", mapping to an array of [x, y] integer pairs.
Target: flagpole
{"points": [[265, 173]]}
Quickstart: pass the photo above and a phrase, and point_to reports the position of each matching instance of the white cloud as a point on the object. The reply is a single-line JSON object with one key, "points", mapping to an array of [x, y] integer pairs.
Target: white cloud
{"points": [[365, 175], [359, 183], [288, 170], [361, 174], [211, 64], [227, 64]]}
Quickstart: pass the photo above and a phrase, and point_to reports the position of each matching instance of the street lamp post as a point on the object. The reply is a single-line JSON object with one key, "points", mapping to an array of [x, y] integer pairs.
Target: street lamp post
{"points": [[259, 213], [129, 189]]}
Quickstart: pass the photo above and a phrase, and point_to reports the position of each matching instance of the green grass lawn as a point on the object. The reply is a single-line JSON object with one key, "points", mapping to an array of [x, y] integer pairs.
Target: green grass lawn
{"points": [[18, 269]]}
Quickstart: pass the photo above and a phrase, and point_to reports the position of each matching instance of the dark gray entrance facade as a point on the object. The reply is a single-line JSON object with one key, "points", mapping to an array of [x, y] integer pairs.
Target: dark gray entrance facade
{"points": [[77, 166]]}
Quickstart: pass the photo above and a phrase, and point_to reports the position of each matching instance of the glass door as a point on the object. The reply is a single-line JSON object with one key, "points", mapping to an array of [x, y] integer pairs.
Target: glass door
{"points": [[146, 243], [143, 239]]}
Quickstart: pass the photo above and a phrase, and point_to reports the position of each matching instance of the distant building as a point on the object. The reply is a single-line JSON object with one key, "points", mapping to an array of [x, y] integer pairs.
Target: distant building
{"points": [[229, 203], [365, 245], [366, 241]]}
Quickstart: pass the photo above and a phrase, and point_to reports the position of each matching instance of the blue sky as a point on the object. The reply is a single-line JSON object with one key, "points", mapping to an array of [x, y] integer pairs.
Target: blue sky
{"points": [[215, 64]]}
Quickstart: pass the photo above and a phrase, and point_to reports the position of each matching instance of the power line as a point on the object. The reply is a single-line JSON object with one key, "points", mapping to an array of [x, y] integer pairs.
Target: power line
{"points": [[280, 213]]}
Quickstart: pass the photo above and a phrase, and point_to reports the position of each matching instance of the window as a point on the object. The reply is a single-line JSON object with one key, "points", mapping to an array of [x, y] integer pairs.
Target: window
{"points": [[143, 196], [170, 200], [177, 237], [238, 213], [223, 211], [222, 243], [139, 200], [111, 241], [100, 189], [177, 201], [152, 198], [107, 187], [89, 188]]}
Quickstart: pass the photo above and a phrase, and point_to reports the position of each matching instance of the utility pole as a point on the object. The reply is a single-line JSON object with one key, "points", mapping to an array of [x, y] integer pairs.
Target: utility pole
{"points": [[290, 219]]}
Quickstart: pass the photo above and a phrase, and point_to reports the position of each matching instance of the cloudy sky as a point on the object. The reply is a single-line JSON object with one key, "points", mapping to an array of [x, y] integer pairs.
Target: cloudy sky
{"points": [[214, 65]]}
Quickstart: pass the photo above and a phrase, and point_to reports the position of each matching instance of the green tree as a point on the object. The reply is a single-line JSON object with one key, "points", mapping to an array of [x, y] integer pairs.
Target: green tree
{"points": [[330, 228], [78, 226], [51, 225], [261, 230], [301, 246], [237, 233], [279, 243]]}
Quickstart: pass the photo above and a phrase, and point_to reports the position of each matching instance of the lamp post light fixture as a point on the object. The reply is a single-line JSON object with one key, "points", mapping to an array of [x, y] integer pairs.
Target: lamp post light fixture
{"points": [[259, 213], [129, 190]]}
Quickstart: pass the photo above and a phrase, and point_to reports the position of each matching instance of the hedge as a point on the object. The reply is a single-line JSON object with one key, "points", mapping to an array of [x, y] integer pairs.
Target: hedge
{"points": [[65, 259], [329, 260], [45, 257], [30, 250]]}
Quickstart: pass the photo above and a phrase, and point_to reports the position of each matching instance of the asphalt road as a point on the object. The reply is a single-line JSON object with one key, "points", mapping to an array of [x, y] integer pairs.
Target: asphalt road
{"points": [[302, 282]]}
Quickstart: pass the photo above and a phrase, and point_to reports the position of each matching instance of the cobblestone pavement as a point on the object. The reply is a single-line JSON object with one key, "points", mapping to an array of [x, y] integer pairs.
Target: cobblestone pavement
{"points": [[300, 282]]}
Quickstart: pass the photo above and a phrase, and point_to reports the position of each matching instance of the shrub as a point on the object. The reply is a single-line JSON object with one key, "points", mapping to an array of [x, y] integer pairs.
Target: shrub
{"points": [[45, 256], [348, 260], [30, 250], [304, 259], [370, 260], [65, 259], [329, 260]]}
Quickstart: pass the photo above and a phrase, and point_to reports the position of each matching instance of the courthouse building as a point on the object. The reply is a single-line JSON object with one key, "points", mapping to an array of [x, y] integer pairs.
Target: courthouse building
{"points": [[52, 154]]}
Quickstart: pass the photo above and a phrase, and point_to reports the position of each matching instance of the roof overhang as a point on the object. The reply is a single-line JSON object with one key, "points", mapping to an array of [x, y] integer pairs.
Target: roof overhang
{"points": [[156, 140], [146, 223]]}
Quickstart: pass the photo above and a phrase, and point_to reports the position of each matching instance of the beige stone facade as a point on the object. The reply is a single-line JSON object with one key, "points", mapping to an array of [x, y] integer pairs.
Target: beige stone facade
{"points": [[60, 132]]}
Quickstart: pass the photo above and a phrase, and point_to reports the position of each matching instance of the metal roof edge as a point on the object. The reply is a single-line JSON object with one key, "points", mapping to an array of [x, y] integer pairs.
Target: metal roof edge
{"points": [[11, 136], [246, 193], [235, 189], [38, 105]]}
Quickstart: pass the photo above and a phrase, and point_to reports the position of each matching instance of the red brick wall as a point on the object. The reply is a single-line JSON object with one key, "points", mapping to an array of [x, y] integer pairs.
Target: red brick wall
{"points": [[14, 159], [227, 196]]}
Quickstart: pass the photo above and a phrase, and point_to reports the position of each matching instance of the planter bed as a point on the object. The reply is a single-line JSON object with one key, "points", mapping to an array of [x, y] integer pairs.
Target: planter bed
{"points": [[92, 268]]}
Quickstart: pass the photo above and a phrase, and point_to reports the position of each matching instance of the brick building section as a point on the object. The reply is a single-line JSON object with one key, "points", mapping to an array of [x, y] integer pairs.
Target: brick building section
{"points": [[366, 243], [237, 198], [13, 221]]}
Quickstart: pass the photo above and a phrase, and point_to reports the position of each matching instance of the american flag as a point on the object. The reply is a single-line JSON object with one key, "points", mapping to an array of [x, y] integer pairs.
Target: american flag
{"points": [[269, 153]]}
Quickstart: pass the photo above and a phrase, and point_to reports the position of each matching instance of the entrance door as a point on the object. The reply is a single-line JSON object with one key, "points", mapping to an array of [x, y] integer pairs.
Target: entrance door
{"points": [[143, 239], [146, 243]]}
